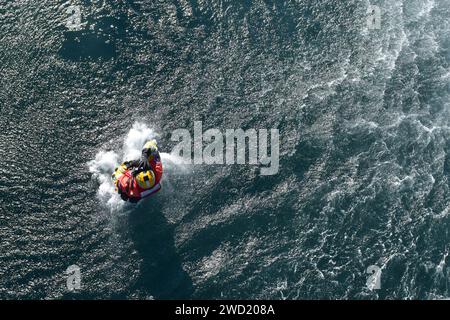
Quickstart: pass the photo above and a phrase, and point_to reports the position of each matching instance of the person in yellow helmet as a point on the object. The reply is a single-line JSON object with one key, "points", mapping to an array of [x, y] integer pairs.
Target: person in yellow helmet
{"points": [[146, 171]]}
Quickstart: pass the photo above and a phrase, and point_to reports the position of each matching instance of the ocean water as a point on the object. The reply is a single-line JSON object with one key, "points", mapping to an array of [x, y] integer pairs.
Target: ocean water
{"points": [[364, 121]]}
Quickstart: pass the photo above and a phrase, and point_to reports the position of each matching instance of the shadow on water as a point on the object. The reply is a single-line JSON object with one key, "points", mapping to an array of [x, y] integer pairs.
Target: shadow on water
{"points": [[161, 273]]}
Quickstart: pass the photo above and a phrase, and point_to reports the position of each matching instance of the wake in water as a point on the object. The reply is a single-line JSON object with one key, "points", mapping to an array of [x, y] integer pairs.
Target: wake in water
{"points": [[106, 161]]}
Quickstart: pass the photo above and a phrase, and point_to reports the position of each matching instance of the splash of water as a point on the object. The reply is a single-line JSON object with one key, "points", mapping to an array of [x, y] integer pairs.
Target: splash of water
{"points": [[106, 161], [135, 140], [101, 168]]}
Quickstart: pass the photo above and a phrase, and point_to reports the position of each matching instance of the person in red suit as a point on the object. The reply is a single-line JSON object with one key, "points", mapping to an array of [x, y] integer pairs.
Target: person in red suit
{"points": [[146, 174]]}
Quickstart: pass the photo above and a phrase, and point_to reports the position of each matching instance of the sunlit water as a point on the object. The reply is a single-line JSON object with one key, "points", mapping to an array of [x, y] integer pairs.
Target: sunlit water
{"points": [[364, 121]]}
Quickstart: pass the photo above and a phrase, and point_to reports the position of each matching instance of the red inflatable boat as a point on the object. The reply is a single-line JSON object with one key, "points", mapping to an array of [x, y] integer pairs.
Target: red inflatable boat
{"points": [[128, 186]]}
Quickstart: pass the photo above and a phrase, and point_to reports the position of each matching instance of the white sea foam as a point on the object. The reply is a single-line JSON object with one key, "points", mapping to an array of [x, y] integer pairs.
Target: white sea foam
{"points": [[101, 168], [135, 139]]}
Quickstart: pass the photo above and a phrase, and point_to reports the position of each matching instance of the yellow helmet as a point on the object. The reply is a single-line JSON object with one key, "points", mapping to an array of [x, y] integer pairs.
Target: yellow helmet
{"points": [[146, 179], [150, 149], [151, 143]]}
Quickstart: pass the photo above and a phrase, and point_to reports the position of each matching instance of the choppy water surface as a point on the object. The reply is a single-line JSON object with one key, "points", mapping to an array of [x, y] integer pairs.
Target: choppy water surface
{"points": [[364, 122]]}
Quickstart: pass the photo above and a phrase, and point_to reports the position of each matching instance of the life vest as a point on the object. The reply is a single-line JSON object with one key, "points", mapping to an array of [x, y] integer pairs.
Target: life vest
{"points": [[128, 186]]}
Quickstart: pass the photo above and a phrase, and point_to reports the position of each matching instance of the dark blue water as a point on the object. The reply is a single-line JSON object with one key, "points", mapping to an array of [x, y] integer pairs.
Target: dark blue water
{"points": [[364, 128]]}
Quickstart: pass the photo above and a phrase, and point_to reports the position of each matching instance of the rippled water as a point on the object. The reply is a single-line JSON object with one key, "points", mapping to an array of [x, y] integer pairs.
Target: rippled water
{"points": [[364, 122]]}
